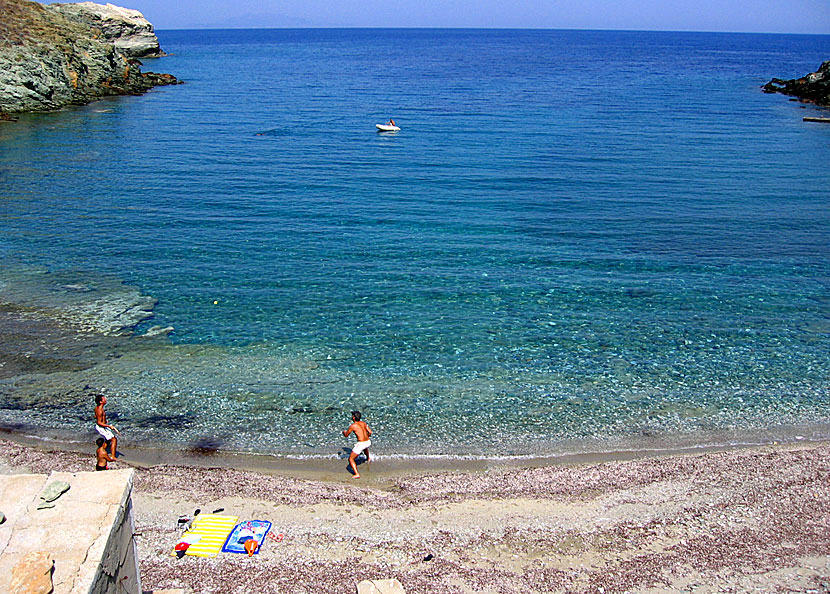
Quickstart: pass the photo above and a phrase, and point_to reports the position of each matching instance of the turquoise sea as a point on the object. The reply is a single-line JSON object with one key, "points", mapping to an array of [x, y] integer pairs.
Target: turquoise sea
{"points": [[579, 240]]}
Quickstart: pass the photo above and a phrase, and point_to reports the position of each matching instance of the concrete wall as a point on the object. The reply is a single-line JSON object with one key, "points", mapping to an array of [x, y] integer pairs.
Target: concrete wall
{"points": [[88, 534]]}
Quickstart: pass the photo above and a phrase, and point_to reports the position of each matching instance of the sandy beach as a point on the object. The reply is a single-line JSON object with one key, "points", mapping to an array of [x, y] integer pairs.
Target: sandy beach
{"points": [[743, 520]]}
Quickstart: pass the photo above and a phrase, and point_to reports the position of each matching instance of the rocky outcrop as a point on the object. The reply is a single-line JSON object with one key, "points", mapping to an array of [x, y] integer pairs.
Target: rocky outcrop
{"points": [[813, 88], [127, 29], [48, 61]]}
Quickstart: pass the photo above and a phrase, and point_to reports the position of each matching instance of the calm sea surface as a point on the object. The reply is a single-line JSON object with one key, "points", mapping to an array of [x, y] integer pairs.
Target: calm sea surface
{"points": [[577, 239]]}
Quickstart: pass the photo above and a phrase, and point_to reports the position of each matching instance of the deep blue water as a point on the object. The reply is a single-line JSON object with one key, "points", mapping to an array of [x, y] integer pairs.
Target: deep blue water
{"points": [[576, 236]]}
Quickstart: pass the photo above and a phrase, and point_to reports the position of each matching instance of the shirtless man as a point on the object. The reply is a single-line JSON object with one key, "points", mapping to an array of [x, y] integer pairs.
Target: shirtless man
{"points": [[101, 425], [363, 433], [102, 458]]}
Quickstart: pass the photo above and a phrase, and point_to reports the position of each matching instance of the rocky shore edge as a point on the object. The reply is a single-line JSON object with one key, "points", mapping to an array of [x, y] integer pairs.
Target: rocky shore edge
{"points": [[52, 56], [811, 88]]}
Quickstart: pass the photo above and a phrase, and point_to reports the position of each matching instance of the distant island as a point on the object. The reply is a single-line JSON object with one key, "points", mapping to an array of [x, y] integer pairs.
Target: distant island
{"points": [[56, 55], [812, 88]]}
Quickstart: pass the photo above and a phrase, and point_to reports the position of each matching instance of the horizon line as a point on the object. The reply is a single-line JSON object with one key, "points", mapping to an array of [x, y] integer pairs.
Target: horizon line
{"points": [[361, 27]]}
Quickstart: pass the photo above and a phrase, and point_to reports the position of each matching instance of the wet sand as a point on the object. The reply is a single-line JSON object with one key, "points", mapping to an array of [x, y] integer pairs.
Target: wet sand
{"points": [[738, 520]]}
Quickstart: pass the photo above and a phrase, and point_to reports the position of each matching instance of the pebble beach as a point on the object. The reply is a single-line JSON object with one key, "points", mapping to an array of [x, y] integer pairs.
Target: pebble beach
{"points": [[739, 520]]}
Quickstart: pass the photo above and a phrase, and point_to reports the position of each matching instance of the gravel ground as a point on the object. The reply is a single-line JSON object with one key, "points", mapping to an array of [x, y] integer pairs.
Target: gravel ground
{"points": [[736, 521]]}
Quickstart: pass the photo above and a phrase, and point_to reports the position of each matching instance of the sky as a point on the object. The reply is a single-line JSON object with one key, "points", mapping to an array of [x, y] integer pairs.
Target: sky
{"points": [[757, 16]]}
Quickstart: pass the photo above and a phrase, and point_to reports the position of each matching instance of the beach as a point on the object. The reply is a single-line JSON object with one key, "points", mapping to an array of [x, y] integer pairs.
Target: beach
{"points": [[735, 520]]}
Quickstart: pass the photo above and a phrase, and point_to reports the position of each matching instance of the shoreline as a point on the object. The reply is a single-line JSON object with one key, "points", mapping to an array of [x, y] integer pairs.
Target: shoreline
{"points": [[58, 350], [391, 466]]}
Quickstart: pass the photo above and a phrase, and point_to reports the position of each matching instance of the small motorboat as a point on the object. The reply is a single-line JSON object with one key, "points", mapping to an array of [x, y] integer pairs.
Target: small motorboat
{"points": [[387, 128]]}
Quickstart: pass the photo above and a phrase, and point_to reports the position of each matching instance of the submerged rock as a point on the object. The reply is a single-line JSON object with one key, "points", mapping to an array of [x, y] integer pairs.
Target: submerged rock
{"points": [[84, 301], [49, 60], [157, 331], [812, 88]]}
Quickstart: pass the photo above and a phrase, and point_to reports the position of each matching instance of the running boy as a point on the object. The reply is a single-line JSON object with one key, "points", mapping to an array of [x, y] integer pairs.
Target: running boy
{"points": [[363, 433]]}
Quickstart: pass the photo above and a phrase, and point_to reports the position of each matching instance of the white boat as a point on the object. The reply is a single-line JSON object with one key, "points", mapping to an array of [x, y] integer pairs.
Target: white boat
{"points": [[387, 128]]}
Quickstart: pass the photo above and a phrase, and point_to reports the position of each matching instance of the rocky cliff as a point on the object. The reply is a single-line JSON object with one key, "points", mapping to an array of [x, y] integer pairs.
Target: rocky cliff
{"points": [[58, 55], [813, 88], [128, 30]]}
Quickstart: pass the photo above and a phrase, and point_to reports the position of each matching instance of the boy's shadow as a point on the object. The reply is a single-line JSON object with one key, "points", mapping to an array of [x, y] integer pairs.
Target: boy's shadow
{"points": [[344, 455]]}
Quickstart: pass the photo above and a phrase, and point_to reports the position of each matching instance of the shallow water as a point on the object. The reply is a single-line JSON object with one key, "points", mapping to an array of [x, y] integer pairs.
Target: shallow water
{"points": [[576, 237]]}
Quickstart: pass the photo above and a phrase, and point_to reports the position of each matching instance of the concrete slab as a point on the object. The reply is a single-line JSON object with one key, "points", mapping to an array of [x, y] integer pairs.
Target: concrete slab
{"points": [[88, 533], [16, 491]]}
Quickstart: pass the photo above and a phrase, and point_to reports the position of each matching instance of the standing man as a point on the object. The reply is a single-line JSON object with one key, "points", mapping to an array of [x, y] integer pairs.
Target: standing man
{"points": [[101, 425], [363, 433]]}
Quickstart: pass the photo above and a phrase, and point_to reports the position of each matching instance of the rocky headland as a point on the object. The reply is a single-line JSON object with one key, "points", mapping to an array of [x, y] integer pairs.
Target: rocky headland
{"points": [[812, 88], [127, 29], [56, 55]]}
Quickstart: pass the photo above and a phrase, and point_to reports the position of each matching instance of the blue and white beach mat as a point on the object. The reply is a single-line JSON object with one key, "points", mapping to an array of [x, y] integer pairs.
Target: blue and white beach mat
{"points": [[256, 529]]}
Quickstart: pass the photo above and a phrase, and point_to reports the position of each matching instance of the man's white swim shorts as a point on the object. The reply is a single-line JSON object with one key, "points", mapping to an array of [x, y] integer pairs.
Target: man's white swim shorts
{"points": [[360, 446]]}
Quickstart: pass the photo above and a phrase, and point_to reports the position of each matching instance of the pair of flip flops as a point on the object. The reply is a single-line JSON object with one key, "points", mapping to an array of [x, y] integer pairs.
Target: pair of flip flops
{"points": [[184, 544]]}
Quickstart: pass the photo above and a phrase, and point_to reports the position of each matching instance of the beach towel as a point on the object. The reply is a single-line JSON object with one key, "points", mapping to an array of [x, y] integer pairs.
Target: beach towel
{"points": [[212, 530], [251, 529]]}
